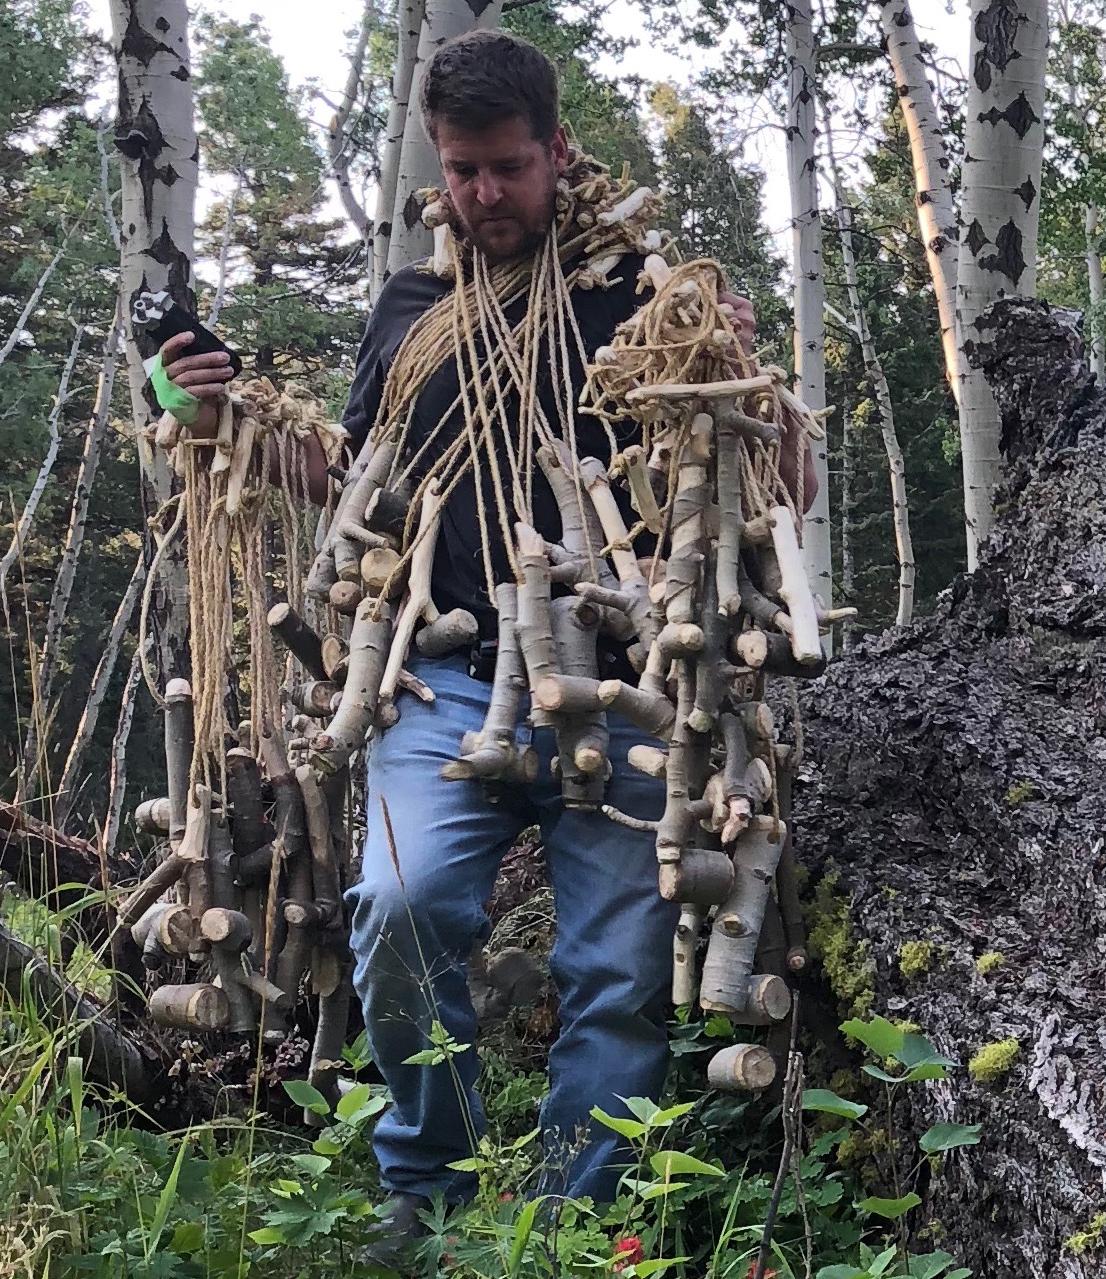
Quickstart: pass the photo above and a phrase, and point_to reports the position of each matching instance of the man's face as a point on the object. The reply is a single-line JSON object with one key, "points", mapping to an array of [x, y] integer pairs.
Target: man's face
{"points": [[502, 182]]}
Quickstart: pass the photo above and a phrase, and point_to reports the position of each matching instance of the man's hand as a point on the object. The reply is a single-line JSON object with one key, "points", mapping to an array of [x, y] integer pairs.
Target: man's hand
{"points": [[204, 376]]}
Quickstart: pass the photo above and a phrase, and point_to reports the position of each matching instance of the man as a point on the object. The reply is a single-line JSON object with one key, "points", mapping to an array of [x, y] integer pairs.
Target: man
{"points": [[490, 104]]}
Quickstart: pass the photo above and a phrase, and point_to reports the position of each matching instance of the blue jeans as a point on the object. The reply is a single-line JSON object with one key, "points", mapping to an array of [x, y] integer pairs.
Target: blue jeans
{"points": [[612, 961]]}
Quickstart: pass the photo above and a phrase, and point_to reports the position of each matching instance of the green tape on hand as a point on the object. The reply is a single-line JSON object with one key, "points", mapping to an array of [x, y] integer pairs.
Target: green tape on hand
{"points": [[183, 405]]}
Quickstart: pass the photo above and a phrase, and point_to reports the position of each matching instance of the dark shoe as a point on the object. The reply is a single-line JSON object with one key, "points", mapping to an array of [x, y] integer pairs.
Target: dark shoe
{"points": [[398, 1230]]}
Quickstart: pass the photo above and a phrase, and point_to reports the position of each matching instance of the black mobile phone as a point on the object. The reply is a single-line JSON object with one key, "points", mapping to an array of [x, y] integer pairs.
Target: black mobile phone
{"points": [[161, 318]]}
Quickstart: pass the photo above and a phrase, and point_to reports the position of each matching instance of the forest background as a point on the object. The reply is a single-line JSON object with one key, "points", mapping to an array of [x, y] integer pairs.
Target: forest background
{"points": [[296, 295]]}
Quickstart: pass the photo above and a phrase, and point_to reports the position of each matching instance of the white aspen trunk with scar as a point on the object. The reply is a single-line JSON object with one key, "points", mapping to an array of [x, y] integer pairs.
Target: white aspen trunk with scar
{"points": [[368, 654], [494, 754], [535, 623], [417, 600], [685, 559], [733, 939], [631, 579]]}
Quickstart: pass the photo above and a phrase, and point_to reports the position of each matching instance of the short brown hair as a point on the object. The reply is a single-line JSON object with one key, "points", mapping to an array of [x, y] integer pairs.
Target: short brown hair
{"points": [[483, 77]]}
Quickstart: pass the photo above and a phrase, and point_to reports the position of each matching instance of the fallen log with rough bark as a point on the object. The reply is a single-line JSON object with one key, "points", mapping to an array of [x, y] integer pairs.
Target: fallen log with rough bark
{"points": [[956, 788], [61, 869], [111, 1057]]}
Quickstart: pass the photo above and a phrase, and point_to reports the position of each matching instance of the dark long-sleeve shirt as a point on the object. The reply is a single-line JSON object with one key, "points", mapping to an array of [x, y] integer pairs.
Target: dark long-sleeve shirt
{"points": [[458, 578]]}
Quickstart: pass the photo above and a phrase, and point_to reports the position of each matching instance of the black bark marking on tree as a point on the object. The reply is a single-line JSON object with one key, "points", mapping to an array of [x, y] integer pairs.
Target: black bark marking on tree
{"points": [[1009, 258], [478, 6], [996, 29], [412, 211], [1027, 192], [162, 24], [1019, 115], [139, 44], [384, 229], [181, 73], [140, 139], [975, 238]]}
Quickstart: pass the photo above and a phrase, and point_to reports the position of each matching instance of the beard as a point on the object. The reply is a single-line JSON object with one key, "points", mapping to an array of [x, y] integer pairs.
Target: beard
{"points": [[502, 239]]}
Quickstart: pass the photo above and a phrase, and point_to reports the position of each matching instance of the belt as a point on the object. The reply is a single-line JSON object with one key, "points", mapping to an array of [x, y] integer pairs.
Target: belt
{"points": [[610, 655]]}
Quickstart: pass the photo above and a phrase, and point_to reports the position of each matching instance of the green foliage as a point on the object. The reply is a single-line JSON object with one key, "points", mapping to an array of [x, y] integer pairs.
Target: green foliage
{"points": [[848, 964], [713, 207], [894, 285], [994, 1061], [989, 961], [599, 111], [1021, 792], [1085, 1240], [291, 282], [915, 958], [42, 43], [227, 1198]]}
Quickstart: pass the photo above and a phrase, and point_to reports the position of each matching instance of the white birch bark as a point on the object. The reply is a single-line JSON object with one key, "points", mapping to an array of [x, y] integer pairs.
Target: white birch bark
{"points": [[224, 251], [339, 151], [930, 158], [409, 24], [1095, 291], [117, 779], [66, 789], [34, 745], [156, 135], [418, 160], [873, 367], [848, 508], [23, 527], [1000, 207], [810, 289]]}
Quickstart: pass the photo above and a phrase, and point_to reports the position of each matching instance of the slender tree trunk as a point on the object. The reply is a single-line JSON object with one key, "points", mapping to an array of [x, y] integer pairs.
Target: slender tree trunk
{"points": [[1004, 136], [409, 24], [224, 251], [418, 161], [35, 743], [338, 142], [848, 509], [1095, 291], [932, 182], [873, 367], [810, 289], [38, 290], [70, 779], [23, 527], [117, 786], [156, 134]]}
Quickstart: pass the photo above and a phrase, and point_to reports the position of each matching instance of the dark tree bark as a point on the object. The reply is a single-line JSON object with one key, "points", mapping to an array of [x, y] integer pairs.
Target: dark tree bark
{"points": [[957, 778]]}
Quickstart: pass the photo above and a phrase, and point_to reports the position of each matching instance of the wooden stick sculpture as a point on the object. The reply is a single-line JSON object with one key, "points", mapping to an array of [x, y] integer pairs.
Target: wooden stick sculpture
{"points": [[705, 587]]}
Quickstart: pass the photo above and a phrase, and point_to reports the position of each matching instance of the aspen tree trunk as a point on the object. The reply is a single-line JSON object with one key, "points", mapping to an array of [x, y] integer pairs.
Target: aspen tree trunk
{"points": [[1003, 140], [338, 148], [848, 508], [66, 789], [418, 160], [156, 135], [117, 786], [930, 158], [27, 515], [409, 24], [900, 505], [1095, 290], [35, 742], [810, 289], [37, 292]]}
